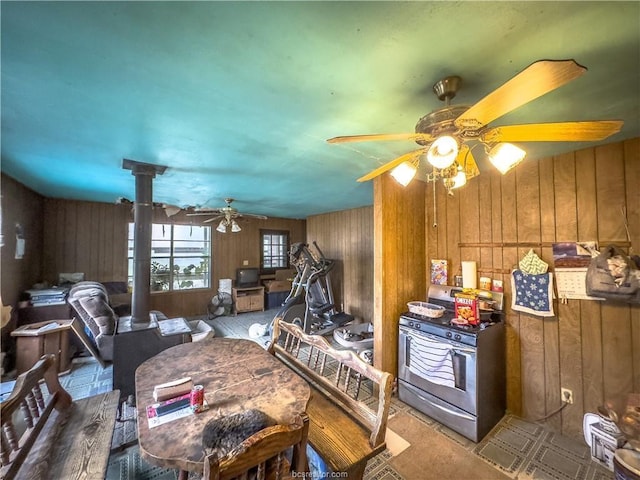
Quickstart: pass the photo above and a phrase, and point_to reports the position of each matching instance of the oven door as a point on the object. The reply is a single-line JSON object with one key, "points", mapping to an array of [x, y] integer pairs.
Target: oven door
{"points": [[463, 394]]}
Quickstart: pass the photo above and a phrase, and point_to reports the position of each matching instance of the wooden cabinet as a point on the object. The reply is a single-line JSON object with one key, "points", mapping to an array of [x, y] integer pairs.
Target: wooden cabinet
{"points": [[248, 299], [36, 339]]}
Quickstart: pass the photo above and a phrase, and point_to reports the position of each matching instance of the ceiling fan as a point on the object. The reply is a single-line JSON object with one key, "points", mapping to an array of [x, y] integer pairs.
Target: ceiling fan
{"points": [[227, 216], [445, 134]]}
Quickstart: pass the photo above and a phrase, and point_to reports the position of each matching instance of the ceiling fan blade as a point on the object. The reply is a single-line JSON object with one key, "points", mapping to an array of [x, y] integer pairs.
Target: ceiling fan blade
{"points": [[425, 137], [407, 157], [251, 215], [554, 132], [467, 162], [534, 81], [196, 214]]}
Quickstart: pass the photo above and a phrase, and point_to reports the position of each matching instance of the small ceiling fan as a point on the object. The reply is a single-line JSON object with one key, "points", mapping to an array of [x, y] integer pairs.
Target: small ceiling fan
{"points": [[445, 134], [227, 216]]}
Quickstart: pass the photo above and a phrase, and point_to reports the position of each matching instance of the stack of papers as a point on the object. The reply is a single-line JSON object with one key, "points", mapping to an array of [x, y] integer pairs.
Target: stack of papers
{"points": [[172, 409], [164, 412], [173, 326]]}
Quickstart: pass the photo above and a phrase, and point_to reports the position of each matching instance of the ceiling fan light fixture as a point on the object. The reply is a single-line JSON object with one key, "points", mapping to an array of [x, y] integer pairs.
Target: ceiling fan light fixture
{"points": [[170, 210], [505, 156], [460, 179], [404, 173], [222, 227], [235, 228], [443, 151]]}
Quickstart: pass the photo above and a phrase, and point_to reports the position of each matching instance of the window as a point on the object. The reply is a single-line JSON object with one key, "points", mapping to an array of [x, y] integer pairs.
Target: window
{"points": [[180, 257], [275, 250]]}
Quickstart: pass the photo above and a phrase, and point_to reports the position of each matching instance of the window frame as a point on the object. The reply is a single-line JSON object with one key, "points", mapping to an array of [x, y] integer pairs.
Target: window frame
{"points": [[173, 275], [269, 231]]}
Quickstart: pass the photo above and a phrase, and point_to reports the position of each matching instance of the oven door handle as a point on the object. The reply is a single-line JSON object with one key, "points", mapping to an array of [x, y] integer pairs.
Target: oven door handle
{"points": [[454, 346], [445, 409], [463, 350]]}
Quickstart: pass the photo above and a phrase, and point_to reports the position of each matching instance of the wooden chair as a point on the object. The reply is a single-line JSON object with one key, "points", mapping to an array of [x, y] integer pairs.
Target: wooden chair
{"points": [[263, 455], [46, 435]]}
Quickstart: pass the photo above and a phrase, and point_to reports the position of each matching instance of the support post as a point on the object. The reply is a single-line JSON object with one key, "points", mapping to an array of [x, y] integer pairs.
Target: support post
{"points": [[143, 213]]}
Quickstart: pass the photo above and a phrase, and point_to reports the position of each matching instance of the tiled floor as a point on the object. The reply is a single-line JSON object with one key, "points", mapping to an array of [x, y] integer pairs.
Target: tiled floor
{"points": [[515, 448]]}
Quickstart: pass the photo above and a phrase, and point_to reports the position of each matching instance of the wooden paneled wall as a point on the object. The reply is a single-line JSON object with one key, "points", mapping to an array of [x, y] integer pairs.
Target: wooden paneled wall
{"points": [[92, 238], [20, 206], [590, 347], [86, 237], [399, 262], [347, 238]]}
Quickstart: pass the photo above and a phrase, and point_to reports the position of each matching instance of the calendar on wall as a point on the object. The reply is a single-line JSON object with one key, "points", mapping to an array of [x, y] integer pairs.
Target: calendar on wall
{"points": [[571, 260]]}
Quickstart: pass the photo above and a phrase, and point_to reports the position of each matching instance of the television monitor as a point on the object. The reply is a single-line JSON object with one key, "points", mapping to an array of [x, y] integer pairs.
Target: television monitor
{"points": [[247, 277]]}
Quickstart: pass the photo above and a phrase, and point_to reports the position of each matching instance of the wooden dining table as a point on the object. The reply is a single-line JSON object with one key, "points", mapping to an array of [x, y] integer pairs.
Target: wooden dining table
{"points": [[237, 375]]}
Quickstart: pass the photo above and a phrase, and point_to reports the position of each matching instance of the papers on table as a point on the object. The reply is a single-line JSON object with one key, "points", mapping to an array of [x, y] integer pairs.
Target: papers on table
{"points": [[170, 410]]}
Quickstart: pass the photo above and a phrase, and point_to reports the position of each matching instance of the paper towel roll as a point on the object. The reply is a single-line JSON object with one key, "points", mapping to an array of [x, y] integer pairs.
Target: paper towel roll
{"points": [[469, 275]]}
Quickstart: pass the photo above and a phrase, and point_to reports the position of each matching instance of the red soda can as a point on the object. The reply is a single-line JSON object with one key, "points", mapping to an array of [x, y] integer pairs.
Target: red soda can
{"points": [[197, 398]]}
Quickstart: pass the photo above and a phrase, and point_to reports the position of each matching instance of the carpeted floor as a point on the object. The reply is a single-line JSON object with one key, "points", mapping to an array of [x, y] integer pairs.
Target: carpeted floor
{"points": [[417, 446]]}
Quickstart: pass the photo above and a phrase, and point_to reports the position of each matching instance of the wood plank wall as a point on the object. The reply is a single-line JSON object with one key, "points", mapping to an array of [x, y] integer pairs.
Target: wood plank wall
{"points": [[347, 238], [86, 237], [590, 347], [24, 207], [91, 237], [400, 273]]}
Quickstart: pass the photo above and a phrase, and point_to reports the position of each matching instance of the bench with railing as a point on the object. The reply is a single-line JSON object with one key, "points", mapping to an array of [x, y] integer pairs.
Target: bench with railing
{"points": [[349, 402]]}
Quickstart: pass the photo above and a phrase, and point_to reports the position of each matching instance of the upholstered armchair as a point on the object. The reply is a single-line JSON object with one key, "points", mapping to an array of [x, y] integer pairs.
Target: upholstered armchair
{"points": [[90, 302]]}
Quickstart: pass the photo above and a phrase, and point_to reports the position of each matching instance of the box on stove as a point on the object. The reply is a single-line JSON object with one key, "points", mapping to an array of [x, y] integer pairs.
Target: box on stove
{"points": [[466, 308]]}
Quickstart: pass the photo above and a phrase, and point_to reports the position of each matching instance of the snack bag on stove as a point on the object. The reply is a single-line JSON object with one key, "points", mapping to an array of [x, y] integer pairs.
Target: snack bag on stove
{"points": [[466, 309]]}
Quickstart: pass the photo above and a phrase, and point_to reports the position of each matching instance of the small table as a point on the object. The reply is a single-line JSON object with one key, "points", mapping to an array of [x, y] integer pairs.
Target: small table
{"points": [[237, 375], [36, 339]]}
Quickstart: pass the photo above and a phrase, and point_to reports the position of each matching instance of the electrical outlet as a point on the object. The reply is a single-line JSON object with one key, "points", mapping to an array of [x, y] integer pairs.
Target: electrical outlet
{"points": [[245, 262], [566, 395]]}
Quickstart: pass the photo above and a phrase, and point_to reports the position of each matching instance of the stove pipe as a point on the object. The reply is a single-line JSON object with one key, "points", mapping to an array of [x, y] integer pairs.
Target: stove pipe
{"points": [[143, 215]]}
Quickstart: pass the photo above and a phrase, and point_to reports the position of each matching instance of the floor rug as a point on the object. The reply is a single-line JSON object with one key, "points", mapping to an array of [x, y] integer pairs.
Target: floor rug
{"points": [[432, 455]]}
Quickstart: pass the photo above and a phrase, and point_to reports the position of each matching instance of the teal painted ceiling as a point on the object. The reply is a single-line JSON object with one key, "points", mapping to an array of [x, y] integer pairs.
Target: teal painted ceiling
{"points": [[238, 98]]}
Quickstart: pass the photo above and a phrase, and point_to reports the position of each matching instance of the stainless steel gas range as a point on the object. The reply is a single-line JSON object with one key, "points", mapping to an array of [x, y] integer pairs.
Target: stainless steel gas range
{"points": [[454, 374]]}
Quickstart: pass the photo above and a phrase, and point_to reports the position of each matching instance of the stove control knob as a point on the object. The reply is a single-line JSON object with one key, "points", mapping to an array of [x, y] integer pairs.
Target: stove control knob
{"points": [[449, 334], [418, 326], [411, 324], [457, 337]]}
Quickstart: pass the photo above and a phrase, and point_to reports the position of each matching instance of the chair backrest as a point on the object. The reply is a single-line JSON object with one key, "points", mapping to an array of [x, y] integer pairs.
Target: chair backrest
{"points": [[264, 455], [32, 408]]}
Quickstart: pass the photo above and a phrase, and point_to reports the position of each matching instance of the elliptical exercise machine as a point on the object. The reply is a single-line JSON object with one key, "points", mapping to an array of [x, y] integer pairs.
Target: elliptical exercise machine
{"points": [[310, 303]]}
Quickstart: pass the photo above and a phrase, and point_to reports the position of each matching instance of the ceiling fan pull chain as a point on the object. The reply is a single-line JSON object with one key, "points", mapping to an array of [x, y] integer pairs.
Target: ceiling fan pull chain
{"points": [[435, 208]]}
